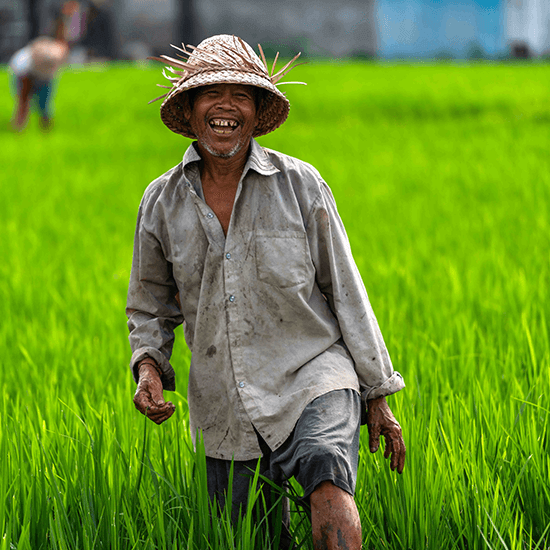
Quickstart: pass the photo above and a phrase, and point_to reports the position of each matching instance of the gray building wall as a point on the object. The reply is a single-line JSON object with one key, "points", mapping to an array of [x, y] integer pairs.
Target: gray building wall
{"points": [[149, 22], [323, 27]]}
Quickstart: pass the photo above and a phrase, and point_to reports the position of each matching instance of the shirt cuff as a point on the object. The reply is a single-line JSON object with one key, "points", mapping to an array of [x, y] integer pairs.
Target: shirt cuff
{"points": [[168, 377], [393, 384]]}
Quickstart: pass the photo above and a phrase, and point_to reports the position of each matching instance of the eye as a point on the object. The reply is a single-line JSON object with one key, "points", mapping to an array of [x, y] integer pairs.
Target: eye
{"points": [[243, 96], [208, 93]]}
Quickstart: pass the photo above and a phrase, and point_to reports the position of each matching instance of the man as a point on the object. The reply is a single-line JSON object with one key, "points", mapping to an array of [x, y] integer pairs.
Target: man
{"points": [[245, 245]]}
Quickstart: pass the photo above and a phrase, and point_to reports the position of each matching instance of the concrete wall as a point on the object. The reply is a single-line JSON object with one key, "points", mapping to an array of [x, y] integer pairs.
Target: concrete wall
{"points": [[322, 27], [149, 22], [316, 28]]}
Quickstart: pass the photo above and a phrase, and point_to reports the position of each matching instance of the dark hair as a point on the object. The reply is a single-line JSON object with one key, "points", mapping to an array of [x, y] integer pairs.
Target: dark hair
{"points": [[191, 94], [260, 96]]}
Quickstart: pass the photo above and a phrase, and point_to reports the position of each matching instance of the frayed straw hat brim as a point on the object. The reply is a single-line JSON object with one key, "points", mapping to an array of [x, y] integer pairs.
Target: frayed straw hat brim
{"points": [[274, 111], [223, 59]]}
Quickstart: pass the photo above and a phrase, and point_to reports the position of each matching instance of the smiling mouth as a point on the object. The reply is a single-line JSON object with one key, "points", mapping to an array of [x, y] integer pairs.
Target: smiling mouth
{"points": [[223, 126]]}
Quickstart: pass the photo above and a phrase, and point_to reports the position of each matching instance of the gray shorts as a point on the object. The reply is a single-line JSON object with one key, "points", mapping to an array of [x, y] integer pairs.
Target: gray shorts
{"points": [[324, 446]]}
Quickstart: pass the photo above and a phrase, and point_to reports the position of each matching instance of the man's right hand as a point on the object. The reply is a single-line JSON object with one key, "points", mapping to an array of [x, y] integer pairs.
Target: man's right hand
{"points": [[148, 398]]}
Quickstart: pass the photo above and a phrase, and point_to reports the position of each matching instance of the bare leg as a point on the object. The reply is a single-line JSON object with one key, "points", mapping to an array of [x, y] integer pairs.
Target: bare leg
{"points": [[23, 104], [334, 519]]}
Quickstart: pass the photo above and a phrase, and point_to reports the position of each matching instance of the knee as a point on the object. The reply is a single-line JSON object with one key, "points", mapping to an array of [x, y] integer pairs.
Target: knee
{"points": [[324, 454], [326, 464], [326, 490]]}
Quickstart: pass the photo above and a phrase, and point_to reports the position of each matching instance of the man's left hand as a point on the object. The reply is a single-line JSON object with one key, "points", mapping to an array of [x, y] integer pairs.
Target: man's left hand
{"points": [[380, 421]]}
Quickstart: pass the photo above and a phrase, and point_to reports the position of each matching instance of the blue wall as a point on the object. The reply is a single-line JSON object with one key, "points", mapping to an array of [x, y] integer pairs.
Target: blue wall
{"points": [[429, 28]]}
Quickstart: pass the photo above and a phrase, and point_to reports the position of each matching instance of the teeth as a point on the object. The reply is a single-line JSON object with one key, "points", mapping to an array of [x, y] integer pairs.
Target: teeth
{"points": [[224, 122]]}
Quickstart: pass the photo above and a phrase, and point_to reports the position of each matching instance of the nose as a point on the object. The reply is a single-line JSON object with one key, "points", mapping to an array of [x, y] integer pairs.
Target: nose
{"points": [[226, 99]]}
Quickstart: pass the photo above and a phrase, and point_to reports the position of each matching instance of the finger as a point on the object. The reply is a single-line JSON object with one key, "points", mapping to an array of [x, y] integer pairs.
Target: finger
{"points": [[162, 413], [163, 417], [147, 396], [158, 401], [154, 411], [374, 438], [158, 417], [389, 447], [401, 459], [394, 460], [142, 400], [390, 450], [398, 455]]}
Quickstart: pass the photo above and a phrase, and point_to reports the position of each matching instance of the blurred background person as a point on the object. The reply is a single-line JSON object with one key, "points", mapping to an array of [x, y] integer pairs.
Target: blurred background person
{"points": [[34, 68]]}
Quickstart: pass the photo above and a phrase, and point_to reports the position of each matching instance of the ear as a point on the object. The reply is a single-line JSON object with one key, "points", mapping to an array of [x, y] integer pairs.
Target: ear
{"points": [[259, 99], [186, 107]]}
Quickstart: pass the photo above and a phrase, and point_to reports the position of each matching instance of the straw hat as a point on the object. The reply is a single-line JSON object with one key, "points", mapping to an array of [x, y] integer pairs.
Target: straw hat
{"points": [[222, 59]]}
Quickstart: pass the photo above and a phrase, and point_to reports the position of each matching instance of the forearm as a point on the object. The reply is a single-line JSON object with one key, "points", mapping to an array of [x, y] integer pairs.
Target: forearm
{"points": [[159, 359], [376, 402], [147, 367], [369, 405]]}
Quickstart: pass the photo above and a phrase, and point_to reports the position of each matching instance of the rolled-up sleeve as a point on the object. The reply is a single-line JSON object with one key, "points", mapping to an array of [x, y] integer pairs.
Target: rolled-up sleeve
{"points": [[340, 281], [152, 308]]}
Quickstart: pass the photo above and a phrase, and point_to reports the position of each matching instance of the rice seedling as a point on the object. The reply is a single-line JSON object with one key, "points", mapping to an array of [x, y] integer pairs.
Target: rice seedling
{"points": [[442, 177]]}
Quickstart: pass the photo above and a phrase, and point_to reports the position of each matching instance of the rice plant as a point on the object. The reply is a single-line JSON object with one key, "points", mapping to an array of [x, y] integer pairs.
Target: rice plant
{"points": [[441, 173]]}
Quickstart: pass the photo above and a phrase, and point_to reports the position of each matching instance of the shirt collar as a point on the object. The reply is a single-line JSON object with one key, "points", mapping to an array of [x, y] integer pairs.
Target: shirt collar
{"points": [[257, 160], [191, 155]]}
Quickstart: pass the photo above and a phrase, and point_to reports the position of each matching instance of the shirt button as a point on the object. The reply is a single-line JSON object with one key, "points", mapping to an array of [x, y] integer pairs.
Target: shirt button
{"points": [[210, 215], [228, 256], [241, 384], [231, 298]]}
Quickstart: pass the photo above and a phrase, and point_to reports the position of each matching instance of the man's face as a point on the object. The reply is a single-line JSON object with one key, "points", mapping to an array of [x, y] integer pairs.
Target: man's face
{"points": [[223, 118]]}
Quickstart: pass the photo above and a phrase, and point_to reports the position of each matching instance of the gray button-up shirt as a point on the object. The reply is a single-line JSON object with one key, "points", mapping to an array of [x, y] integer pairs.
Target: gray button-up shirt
{"points": [[275, 313]]}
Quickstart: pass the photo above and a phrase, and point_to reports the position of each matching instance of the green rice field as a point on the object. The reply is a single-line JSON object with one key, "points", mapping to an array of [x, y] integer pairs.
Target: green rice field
{"points": [[441, 173]]}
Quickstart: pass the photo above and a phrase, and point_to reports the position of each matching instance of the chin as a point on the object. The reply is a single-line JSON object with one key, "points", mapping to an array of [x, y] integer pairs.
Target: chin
{"points": [[223, 154]]}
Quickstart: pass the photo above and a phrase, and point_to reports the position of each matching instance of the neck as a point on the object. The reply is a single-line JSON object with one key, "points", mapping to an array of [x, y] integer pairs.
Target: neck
{"points": [[222, 171]]}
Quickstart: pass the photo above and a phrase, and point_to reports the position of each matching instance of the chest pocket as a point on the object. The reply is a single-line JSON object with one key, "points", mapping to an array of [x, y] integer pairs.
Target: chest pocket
{"points": [[281, 258]]}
